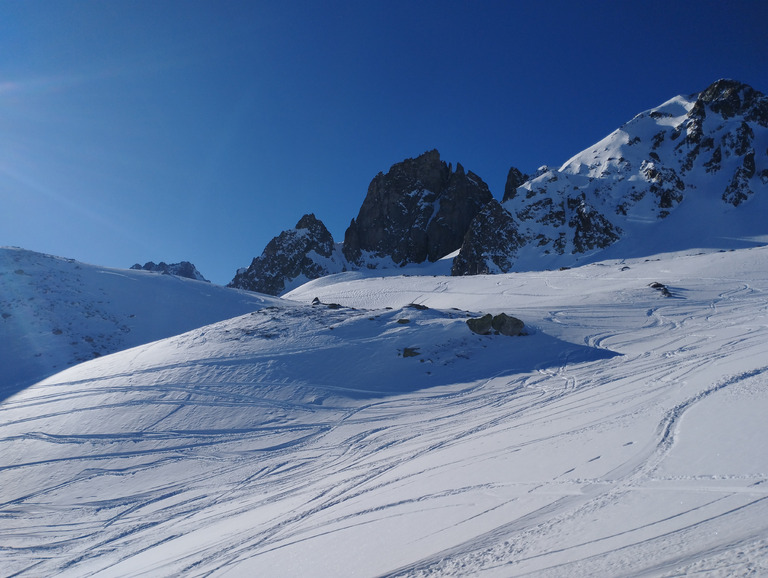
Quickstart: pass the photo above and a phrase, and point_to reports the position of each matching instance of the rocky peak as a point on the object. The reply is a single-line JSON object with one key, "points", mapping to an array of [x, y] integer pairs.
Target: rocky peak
{"points": [[720, 136], [730, 98], [419, 210], [514, 179], [321, 239], [491, 243], [692, 150], [426, 172], [299, 254], [182, 269]]}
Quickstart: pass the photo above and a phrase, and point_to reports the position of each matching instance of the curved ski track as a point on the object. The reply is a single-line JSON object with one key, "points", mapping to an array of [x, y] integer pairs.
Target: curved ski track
{"points": [[501, 476]]}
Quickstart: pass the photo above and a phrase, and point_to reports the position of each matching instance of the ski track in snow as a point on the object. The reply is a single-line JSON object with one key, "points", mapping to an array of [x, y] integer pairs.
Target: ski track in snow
{"points": [[220, 453]]}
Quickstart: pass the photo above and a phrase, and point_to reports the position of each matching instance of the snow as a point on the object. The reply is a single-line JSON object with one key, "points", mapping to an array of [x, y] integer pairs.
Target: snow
{"points": [[57, 312], [616, 173], [621, 436]]}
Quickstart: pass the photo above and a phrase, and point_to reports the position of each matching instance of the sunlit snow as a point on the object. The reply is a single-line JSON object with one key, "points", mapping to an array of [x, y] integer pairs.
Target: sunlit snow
{"points": [[622, 435]]}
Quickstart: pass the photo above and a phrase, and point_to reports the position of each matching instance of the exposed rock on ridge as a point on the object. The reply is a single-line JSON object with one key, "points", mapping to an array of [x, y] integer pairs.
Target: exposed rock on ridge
{"points": [[294, 256], [709, 147], [418, 211], [514, 180], [490, 243], [182, 269]]}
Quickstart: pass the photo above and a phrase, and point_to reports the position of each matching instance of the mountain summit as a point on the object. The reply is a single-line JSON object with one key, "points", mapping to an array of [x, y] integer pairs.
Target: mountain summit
{"points": [[678, 176], [690, 163], [292, 258], [419, 211]]}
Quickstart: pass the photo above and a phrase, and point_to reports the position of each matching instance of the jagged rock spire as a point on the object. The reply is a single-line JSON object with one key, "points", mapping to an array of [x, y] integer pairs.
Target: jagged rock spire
{"points": [[288, 257], [418, 211]]}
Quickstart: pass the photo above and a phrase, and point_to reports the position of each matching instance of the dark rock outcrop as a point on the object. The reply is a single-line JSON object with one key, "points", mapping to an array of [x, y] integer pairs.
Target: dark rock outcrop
{"points": [[490, 244], [701, 148], [182, 269], [500, 324], [730, 98], [418, 211], [591, 230], [737, 109], [481, 325], [661, 288], [305, 252], [507, 325], [514, 179]]}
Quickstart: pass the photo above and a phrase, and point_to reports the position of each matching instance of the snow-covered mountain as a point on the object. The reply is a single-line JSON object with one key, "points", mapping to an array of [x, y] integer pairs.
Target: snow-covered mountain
{"points": [[417, 212], [374, 433], [692, 172], [57, 312], [293, 257], [361, 426]]}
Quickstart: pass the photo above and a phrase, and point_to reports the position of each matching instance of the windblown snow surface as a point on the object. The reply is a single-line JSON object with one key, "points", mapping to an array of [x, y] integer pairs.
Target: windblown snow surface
{"points": [[57, 312], [623, 435]]}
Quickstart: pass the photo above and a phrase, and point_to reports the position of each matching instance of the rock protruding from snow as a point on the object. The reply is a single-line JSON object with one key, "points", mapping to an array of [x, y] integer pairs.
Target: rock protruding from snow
{"points": [[730, 98], [514, 179], [490, 244], [182, 269], [500, 324], [419, 211], [292, 258], [725, 122], [707, 152]]}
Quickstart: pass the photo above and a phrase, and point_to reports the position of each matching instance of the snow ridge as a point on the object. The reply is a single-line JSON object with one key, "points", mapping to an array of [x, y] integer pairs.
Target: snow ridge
{"points": [[674, 177]]}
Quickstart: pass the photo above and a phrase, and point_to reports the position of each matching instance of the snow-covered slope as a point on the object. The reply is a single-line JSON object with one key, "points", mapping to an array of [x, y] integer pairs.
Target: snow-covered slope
{"points": [[620, 436], [690, 173], [56, 312]]}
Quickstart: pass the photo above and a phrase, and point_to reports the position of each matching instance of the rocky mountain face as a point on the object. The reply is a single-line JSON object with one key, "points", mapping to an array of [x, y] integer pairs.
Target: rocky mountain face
{"points": [[703, 156], [491, 238], [514, 180], [292, 258], [182, 269], [705, 150], [418, 211]]}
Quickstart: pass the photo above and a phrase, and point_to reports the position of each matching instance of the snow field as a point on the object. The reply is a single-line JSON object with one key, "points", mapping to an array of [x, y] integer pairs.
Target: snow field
{"points": [[57, 312], [621, 436]]}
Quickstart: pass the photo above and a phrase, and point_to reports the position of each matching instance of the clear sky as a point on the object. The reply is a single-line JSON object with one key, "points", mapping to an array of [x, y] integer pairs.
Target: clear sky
{"points": [[158, 130]]}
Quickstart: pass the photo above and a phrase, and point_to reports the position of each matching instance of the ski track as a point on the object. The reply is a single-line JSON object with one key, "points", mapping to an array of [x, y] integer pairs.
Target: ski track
{"points": [[220, 497]]}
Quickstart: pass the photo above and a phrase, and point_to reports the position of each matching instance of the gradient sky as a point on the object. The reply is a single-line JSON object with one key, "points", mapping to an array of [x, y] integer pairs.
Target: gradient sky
{"points": [[156, 130]]}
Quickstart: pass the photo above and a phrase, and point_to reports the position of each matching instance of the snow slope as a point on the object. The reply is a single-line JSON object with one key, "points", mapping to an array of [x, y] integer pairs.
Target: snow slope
{"points": [[621, 436], [690, 173], [55, 312]]}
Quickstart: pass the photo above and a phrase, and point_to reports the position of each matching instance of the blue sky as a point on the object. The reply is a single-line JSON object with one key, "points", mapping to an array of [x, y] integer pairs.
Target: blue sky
{"points": [[142, 130]]}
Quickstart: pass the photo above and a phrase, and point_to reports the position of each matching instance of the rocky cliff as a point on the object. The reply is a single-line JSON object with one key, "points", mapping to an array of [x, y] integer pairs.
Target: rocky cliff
{"points": [[706, 152], [418, 211], [292, 258]]}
